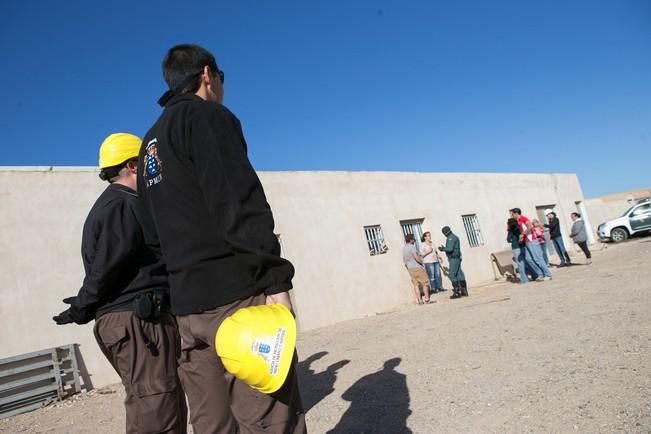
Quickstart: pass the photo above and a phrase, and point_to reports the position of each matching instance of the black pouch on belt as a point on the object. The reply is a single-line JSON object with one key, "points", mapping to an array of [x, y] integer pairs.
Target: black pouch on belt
{"points": [[148, 305]]}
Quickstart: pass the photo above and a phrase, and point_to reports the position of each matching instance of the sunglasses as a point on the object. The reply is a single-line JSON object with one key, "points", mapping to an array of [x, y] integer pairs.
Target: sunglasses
{"points": [[220, 73], [178, 89]]}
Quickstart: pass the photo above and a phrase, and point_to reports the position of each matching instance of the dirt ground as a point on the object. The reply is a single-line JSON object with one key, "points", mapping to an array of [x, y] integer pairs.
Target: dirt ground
{"points": [[568, 355]]}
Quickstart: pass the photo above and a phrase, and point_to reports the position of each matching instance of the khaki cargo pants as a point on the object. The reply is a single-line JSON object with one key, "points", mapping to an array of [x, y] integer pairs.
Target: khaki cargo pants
{"points": [[219, 403], [155, 402]]}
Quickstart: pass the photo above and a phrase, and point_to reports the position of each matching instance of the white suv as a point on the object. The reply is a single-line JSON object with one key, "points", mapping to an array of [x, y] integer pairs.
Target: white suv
{"points": [[636, 219]]}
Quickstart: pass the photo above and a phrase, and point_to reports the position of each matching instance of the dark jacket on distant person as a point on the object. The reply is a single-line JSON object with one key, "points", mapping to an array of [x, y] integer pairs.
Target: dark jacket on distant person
{"points": [[452, 246], [554, 228], [513, 237]]}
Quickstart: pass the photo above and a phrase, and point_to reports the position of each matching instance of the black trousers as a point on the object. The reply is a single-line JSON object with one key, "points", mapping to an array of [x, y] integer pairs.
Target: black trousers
{"points": [[584, 247]]}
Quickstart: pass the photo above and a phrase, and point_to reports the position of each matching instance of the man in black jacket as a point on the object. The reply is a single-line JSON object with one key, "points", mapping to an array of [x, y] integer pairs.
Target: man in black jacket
{"points": [[557, 238], [126, 292], [207, 206]]}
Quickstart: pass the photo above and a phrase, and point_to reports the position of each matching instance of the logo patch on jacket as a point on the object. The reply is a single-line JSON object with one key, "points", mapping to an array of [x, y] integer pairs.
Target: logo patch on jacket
{"points": [[152, 164]]}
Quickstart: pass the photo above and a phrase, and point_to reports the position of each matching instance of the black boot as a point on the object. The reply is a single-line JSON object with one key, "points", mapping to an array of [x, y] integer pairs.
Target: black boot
{"points": [[464, 288], [456, 290]]}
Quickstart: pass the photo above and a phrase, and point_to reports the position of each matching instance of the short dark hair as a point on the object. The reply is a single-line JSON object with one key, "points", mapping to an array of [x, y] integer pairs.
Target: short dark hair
{"points": [[576, 214], [516, 210], [109, 173], [183, 61], [409, 238]]}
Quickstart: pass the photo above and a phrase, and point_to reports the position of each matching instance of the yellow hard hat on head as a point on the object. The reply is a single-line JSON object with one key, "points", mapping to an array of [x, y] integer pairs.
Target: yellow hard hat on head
{"points": [[118, 148], [256, 345]]}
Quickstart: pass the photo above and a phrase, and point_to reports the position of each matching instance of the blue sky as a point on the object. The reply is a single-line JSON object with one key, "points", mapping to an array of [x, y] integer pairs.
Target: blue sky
{"points": [[481, 86]]}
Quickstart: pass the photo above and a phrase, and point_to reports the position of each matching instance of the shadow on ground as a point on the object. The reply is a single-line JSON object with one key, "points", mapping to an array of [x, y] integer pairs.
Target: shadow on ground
{"points": [[379, 402], [317, 385]]}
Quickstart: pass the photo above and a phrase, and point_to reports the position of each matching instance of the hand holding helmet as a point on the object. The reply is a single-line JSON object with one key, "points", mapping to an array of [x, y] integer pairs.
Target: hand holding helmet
{"points": [[256, 345]]}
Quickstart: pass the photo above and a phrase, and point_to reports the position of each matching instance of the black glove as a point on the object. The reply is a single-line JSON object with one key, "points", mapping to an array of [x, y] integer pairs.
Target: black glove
{"points": [[72, 314], [442, 248]]}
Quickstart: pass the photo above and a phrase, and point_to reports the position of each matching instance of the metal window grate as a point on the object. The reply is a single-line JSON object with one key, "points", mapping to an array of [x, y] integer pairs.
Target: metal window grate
{"points": [[375, 240], [471, 224], [413, 227]]}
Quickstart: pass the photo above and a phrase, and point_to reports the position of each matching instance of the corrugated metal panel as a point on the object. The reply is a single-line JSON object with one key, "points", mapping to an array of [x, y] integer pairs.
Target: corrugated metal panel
{"points": [[33, 380]]}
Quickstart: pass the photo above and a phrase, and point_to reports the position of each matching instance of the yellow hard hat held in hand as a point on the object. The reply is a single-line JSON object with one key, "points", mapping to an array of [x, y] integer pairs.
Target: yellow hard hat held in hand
{"points": [[256, 345]]}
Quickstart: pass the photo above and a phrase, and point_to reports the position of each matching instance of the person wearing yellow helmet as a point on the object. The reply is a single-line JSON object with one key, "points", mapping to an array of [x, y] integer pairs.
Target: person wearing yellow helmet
{"points": [[115, 153], [207, 206], [126, 292]]}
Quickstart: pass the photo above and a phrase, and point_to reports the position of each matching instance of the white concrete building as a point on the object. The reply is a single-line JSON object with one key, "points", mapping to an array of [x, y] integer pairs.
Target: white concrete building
{"points": [[342, 230]]}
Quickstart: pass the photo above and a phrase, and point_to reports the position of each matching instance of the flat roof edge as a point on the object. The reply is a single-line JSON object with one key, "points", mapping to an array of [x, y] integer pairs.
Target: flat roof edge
{"points": [[94, 168], [47, 168]]}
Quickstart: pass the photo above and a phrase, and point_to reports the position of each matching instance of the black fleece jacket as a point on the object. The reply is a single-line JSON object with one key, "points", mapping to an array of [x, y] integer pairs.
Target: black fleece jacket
{"points": [[118, 263], [554, 228], [207, 206]]}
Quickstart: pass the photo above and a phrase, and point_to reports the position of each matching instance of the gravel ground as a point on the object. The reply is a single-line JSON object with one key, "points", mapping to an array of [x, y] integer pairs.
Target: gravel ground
{"points": [[568, 355]]}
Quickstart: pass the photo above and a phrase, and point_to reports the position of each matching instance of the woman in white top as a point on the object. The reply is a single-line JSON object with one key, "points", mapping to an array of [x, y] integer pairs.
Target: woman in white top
{"points": [[431, 262]]}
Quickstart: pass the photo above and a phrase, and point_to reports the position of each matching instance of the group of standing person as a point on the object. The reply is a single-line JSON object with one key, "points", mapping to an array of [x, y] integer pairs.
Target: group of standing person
{"points": [[529, 240], [424, 266], [526, 246], [181, 238]]}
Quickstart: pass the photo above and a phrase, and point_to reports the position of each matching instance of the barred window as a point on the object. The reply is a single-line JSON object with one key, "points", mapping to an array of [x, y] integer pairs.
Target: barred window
{"points": [[375, 240], [471, 224], [413, 227]]}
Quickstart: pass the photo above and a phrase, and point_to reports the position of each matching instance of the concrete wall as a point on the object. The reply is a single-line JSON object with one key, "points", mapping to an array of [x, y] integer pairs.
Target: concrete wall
{"points": [[42, 215], [320, 217]]}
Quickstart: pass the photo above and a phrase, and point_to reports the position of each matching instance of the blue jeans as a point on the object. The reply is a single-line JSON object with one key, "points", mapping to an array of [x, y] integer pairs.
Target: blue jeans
{"points": [[545, 252], [434, 275], [530, 271], [535, 260], [559, 246], [519, 255]]}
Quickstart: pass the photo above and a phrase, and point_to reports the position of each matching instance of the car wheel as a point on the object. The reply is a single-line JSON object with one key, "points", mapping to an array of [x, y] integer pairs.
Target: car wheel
{"points": [[618, 235]]}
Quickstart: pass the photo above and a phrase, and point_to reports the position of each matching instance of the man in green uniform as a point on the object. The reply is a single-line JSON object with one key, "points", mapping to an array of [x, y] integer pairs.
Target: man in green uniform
{"points": [[452, 249]]}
